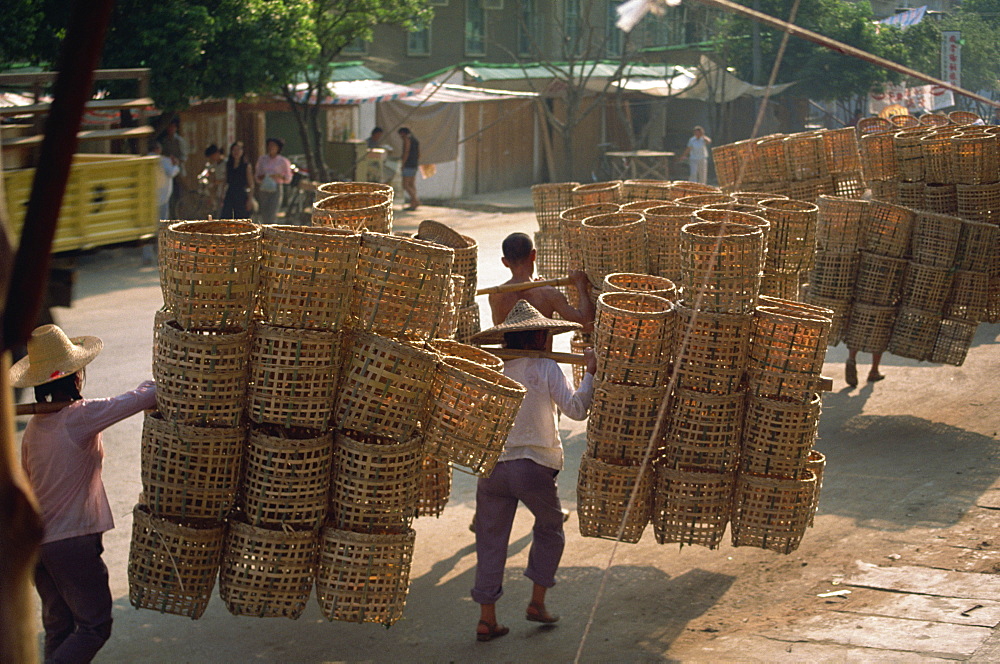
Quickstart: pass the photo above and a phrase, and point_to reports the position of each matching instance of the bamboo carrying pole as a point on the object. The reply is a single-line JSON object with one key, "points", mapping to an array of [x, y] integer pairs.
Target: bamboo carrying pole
{"points": [[515, 353], [524, 285]]}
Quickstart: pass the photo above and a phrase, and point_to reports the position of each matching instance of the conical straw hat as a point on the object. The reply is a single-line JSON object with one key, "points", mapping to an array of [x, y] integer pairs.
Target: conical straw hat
{"points": [[523, 317], [52, 355]]}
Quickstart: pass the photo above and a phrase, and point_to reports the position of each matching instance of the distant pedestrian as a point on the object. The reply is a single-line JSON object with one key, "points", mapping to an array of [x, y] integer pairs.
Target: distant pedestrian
{"points": [[239, 199], [273, 171], [696, 153], [409, 163]]}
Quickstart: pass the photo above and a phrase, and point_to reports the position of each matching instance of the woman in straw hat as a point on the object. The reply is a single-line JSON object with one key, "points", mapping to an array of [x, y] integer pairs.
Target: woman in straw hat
{"points": [[62, 455], [527, 468]]}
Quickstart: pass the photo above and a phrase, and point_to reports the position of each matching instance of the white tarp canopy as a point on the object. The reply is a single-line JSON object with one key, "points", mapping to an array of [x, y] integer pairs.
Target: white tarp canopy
{"points": [[707, 82]]}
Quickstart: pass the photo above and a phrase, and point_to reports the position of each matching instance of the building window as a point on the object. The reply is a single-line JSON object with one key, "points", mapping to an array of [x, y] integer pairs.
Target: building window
{"points": [[357, 46], [527, 29], [475, 28], [418, 41], [613, 43]]}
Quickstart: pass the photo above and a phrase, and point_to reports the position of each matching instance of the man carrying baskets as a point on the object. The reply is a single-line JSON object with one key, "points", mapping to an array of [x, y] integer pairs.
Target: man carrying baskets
{"points": [[527, 468]]}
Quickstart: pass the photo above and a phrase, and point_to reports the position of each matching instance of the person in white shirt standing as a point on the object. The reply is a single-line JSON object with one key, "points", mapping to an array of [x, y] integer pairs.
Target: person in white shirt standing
{"points": [[527, 468], [696, 153]]}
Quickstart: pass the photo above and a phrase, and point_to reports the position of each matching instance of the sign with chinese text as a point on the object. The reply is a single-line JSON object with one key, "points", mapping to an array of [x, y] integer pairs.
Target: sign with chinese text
{"points": [[951, 57]]}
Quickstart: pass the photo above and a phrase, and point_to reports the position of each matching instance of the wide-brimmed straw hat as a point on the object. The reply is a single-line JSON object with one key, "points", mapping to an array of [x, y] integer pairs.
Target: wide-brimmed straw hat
{"points": [[52, 355], [524, 317]]}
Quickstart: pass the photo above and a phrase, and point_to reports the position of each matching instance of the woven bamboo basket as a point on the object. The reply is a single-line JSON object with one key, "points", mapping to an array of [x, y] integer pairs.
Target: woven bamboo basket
{"points": [[770, 160], [472, 411], [839, 316], [812, 189], [977, 247], [634, 338], [878, 156], [889, 230], [953, 341], [364, 577], [969, 296], [189, 472], [886, 191], [267, 573], [701, 200], [880, 279], [208, 272], [772, 513], [848, 185], [637, 190], [571, 224], [914, 332], [682, 188], [806, 156], [787, 353], [712, 350], [552, 260], [839, 223], [385, 386], [911, 194], [374, 483], [614, 242], [940, 198], [869, 327], [873, 124], [336, 188], [976, 159], [936, 151], [841, 146], [433, 487], [979, 202], [596, 192], [577, 344], [781, 284], [720, 265], [704, 431], [926, 287], [663, 228], [549, 200], [815, 463], [468, 323], [370, 211], [603, 492], [172, 565], [286, 477], [201, 377], [451, 348], [293, 376], [791, 241], [909, 154], [401, 286], [630, 282], [692, 506], [466, 254], [778, 436], [622, 421], [307, 275]]}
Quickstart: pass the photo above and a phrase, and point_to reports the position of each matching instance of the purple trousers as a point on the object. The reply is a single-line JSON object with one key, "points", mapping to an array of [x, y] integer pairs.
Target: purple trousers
{"points": [[72, 581], [496, 503]]}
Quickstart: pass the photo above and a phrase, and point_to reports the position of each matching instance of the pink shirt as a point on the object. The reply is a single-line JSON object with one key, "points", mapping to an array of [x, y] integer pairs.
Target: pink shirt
{"points": [[278, 168], [62, 454]]}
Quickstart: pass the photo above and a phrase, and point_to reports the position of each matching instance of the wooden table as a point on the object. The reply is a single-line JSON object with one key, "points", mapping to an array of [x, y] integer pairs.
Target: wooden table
{"points": [[640, 164]]}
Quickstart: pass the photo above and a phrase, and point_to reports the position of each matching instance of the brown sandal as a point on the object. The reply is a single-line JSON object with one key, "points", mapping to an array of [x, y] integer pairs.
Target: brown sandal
{"points": [[496, 630], [536, 613]]}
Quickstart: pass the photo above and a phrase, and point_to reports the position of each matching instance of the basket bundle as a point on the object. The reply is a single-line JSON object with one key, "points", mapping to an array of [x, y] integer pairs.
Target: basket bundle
{"points": [[571, 225], [286, 477], [650, 190], [979, 202], [969, 296], [869, 327], [604, 492], [363, 577], [208, 272], [692, 506], [977, 247], [888, 230], [914, 332], [451, 348], [806, 155], [648, 284], [909, 155], [385, 386], [549, 200], [468, 323], [880, 279], [172, 565], [634, 338], [701, 200], [953, 341], [472, 411], [596, 192], [721, 265], [622, 421], [780, 284], [778, 436], [189, 472], [936, 152], [361, 211], [307, 275], [926, 287], [940, 198], [267, 573], [712, 350], [772, 513], [663, 228], [839, 222], [401, 286], [433, 487], [374, 485], [293, 376], [201, 377], [787, 353], [703, 432], [911, 194], [552, 259], [878, 156], [614, 242], [336, 188], [466, 255], [841, 147], [791, 242], [976, 158]]}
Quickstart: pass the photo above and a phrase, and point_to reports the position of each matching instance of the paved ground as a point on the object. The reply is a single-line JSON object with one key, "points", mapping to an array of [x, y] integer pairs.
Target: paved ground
{"points": [[906, 536]]}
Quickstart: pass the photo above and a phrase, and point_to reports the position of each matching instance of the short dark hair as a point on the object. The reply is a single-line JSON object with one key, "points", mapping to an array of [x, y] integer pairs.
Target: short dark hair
{"points": [[277, 141], [526, 339], [516, 247]]}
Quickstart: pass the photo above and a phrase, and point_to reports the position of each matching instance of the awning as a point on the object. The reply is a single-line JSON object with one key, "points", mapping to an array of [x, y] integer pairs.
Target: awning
{"points": [[449, 93]]}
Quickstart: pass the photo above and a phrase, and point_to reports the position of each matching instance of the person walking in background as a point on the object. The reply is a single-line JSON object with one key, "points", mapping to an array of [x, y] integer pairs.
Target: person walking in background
{"points": [[696, 153], [175, 146], [409, 163], [238, 201], [62, 455], [273, 170]]}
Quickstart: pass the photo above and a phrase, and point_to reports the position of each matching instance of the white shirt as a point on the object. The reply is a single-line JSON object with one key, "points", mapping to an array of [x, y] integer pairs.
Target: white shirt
{"points": [[699, 148], [535, 434]]}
